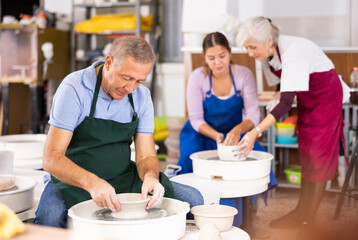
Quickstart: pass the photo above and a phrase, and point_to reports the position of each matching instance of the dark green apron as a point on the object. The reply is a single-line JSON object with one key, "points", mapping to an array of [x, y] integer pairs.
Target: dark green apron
{"points": [[103, 147]]}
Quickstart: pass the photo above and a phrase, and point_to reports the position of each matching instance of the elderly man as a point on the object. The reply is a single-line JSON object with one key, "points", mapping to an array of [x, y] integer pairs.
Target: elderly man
{"points": [[96, 114]]}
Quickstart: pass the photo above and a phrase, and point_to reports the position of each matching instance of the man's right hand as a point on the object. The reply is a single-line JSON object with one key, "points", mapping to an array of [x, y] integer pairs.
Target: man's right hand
{"points": [[104, 195]]}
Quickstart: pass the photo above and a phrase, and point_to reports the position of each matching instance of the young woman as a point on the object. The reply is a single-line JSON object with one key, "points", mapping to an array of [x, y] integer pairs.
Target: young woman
{"points": [[222, 105]]}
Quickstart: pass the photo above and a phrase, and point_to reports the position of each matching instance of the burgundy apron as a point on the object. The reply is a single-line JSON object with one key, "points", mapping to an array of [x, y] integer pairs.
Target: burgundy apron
{"points": [[319, 125]]}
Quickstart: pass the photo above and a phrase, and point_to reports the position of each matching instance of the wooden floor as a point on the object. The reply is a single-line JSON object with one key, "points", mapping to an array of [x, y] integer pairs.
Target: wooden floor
{"points": [[345, 228]]}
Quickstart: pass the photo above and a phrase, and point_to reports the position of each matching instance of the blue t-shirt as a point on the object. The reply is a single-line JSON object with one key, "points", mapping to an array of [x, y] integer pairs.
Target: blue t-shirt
{"points": [[73, 98]]}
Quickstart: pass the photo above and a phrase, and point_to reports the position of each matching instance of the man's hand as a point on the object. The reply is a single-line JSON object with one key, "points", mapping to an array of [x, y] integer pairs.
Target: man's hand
{"points": [[104, 195], [152, 185]]}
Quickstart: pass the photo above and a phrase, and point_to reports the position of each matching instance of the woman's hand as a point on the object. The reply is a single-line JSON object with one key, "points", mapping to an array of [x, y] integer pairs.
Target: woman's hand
{"points": [[274, 101], [246, 144], [232, 137], [219, 138]]}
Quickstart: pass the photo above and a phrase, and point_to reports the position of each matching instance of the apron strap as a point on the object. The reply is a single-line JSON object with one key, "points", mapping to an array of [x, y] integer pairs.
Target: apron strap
{"points": [[96, 91], [278, 53], [208, 93], [130, 97], [237, 92]]}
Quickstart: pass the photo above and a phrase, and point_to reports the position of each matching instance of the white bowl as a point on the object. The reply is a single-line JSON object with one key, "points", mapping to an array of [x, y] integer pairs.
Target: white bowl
{"points": [[230, 153], [132, 206], [221, 216]]}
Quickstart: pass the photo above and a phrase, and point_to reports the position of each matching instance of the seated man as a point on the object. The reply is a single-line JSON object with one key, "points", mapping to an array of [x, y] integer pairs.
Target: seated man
{"points": [[96, 114]]}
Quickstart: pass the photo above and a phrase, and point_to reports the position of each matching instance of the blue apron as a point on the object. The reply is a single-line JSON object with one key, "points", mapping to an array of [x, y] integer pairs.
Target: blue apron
{"points": [[222, 115]]}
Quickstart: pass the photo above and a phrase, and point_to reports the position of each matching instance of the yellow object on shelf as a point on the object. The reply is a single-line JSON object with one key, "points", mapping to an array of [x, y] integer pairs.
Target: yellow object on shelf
{"points": [[10, 224], [285, 125], [113, 22], [160, 128]]}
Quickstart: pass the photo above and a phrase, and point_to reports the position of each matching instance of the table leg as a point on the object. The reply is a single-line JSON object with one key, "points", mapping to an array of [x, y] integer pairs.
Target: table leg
{"points": [[5, 103], [34, 109], [247, 214]]}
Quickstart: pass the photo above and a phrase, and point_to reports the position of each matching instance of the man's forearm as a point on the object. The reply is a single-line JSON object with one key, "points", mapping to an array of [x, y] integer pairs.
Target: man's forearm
{"points": [[148, 166], [68, 172]]}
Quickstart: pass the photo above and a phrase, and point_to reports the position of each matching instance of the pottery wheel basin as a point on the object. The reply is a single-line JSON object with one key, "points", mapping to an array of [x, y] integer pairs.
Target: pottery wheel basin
{"points": [[89, 221], [207, 164]]}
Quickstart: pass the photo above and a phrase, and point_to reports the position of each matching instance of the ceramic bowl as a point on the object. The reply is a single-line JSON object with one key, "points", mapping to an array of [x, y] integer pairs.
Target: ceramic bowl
{"points": [[132, 206], [220, 215], [230, 153]]}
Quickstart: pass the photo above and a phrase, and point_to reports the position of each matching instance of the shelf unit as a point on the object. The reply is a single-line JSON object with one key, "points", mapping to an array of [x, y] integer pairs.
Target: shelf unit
{"points": [[91, 39], [282, 159]]}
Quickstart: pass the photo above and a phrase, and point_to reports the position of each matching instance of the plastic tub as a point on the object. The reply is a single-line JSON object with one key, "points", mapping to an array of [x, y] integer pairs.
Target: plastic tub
{"points": [[285, 129], [286, 140], [293, 175]]}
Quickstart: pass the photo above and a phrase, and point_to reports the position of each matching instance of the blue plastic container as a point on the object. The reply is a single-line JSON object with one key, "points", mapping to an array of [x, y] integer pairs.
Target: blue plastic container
{"points": [[286, 140]]}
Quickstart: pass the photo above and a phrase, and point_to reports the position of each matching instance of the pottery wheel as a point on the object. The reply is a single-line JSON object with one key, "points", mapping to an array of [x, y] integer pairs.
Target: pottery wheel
{"points": [[106, 214]]}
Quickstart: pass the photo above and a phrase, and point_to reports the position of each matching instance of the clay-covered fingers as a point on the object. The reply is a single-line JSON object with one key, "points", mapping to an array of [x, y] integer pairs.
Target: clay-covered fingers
{"points": [[157, 197], [104, 195], [113, 203], [246, 144], [231, 139], [219, 138]]}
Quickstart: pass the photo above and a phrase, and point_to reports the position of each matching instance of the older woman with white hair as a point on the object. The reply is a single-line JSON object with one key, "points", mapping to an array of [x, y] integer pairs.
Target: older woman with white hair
{"points": [[299, 68]]}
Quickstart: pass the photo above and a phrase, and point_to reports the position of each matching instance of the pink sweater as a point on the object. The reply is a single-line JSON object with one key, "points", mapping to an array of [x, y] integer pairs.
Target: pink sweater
{"points": [[199, 84]]}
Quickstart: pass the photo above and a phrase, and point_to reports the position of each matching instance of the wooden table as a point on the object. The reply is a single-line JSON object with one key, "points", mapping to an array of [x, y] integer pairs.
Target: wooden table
{"points": [[37, 232]]}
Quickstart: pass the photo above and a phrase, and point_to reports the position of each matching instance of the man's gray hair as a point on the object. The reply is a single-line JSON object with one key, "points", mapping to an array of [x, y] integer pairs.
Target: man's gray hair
{"points": [[135, 47], [257, 29]]}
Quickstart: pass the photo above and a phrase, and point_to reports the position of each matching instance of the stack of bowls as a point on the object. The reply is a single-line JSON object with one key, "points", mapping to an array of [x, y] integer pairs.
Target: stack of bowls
{"points": [[285, 133]]}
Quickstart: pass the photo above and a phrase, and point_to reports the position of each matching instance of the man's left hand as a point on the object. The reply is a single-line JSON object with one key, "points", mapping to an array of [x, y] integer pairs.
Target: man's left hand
{"points": [[153, 186]]}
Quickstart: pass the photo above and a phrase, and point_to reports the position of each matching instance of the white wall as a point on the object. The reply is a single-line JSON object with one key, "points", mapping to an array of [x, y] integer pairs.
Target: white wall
{"points": [[169, 99], [327, 22], [63, 6]]}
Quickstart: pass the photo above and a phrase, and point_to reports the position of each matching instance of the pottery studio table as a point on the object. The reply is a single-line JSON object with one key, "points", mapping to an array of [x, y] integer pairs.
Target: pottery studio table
{"points": [[215, 189]]}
